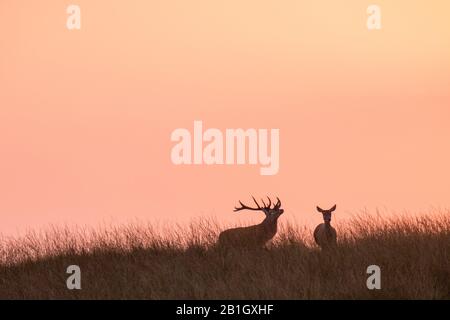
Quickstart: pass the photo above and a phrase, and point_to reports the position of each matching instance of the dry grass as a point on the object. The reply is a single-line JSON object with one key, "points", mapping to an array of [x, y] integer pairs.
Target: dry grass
{"points": [[139, 262]]}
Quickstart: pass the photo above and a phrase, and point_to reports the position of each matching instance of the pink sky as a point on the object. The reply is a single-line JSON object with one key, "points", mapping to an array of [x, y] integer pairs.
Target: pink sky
{"points": [[86, 115]]}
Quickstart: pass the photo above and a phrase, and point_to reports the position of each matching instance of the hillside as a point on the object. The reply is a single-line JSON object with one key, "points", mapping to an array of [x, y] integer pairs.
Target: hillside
{"points": [[138, 262]]}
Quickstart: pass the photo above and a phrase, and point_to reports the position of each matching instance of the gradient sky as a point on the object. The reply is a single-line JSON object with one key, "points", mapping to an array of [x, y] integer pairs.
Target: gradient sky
{"points": [[86, 115]]}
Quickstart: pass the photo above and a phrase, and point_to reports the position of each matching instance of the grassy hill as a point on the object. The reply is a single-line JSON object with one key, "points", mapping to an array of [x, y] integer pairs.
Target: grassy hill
{"points": [[139, 262]]}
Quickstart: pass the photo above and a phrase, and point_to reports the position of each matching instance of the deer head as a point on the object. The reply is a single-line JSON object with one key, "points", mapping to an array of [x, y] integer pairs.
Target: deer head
{"points": [[271, 213], [326, 213]]}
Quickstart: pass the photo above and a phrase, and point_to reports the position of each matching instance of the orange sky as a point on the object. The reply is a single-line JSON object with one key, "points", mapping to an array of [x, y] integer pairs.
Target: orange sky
{"points": [[86, 115]]}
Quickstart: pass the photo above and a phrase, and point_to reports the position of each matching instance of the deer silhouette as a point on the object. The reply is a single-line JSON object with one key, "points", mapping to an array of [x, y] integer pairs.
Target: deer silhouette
{"points": [[255, 236], [325, 234]]}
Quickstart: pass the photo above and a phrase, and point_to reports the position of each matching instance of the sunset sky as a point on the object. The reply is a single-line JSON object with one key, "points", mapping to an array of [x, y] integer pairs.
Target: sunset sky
{"points": [[86, 115]]}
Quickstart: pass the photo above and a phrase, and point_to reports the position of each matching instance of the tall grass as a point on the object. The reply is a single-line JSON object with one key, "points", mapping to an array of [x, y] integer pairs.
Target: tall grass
{"points": [[144, 262]]}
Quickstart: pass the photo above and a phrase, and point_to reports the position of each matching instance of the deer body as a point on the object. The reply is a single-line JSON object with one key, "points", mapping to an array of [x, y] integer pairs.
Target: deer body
{"points": [[324, 234], [253, 236]]}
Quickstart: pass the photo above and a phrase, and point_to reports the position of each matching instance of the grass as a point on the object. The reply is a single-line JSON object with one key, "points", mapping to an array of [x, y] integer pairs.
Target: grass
{"points": [[139, 262]]}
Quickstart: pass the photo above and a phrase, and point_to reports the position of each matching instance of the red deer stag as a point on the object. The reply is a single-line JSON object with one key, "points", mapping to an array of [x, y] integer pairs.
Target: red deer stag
{"points": [[253, 236]]}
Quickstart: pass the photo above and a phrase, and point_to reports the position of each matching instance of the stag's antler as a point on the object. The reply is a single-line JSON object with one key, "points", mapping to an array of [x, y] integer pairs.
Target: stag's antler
{"points": [[258, 207], [278, 204], [244, 207]]}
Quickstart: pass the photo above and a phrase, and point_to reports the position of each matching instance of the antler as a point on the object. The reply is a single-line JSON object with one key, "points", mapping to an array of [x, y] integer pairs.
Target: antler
{"points": [[244, 207], [258, 207], [278, 204]]}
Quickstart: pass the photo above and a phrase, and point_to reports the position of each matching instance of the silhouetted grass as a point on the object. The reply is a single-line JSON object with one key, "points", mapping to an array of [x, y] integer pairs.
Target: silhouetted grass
{"points": [[140, 262]]}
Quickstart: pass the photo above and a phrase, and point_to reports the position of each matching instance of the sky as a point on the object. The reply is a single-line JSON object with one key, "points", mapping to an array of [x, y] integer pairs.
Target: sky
{"points": [[86, 115]]}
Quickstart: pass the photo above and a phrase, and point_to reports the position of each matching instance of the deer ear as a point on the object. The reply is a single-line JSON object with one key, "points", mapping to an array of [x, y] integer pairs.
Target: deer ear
{"points": [[334, 208], [319, 209]]}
